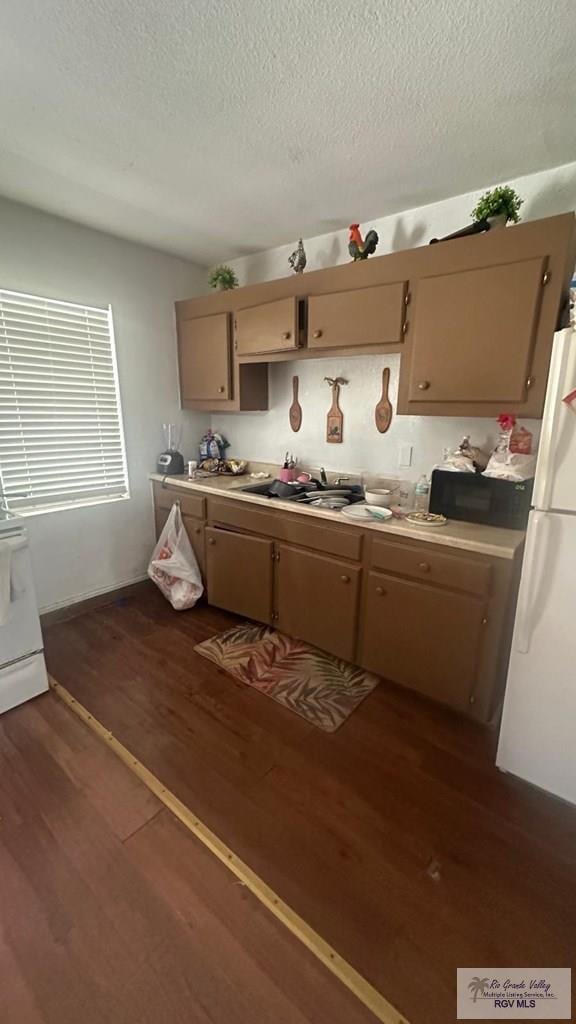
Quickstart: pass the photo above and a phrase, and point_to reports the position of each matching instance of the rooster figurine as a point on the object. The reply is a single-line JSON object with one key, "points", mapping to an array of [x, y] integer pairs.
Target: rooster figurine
{"points": [[297, 259], [358, 249]]}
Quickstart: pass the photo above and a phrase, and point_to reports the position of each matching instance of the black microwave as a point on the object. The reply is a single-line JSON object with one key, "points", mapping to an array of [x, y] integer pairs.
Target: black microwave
{"points": [[481, 499]]}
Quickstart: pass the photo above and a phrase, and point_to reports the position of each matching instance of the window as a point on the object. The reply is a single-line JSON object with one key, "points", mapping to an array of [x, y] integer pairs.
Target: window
{"points": [[61, 437]]}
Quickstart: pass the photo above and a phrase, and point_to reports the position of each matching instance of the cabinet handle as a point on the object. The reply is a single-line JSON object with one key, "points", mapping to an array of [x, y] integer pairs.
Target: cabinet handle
{"points": [[424, 566], [199, 530], [211, 540], [380, 591], [530, 382], [285, 335], [423, 385], [317, 334], [221, 389], [345, 579]]}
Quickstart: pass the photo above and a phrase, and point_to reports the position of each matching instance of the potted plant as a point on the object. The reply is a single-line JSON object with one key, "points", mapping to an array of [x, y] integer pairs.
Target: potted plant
{"points": [[498, 206], [223, 277]]}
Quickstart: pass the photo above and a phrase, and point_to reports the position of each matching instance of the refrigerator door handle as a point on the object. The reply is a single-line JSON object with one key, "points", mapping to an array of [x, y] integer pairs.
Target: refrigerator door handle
{"points": [[552, 412], [523, 631]]}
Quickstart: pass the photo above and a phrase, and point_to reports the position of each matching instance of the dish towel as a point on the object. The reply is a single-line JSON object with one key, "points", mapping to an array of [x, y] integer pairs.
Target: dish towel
{"points": [[5, 567]]}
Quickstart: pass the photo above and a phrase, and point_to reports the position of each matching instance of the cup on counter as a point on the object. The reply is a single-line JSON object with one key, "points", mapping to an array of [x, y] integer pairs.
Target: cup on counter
{"points": [[192, 469], [287, 476]]}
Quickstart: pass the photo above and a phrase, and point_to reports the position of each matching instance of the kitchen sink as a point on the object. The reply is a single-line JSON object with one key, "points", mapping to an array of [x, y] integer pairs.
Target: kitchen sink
{"points": [[354, 491]]}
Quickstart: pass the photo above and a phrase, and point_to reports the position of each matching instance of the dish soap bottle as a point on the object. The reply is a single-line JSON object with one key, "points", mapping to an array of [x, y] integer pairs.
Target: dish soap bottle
{"points": [[422, 494]]}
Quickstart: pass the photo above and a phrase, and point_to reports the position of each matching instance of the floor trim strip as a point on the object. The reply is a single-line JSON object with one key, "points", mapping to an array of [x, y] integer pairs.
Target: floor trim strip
{"points": [[382, 1009]]}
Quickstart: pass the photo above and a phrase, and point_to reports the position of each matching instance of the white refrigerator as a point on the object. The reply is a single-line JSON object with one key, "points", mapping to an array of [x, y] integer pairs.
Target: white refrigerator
{"points": [[538, 731]]}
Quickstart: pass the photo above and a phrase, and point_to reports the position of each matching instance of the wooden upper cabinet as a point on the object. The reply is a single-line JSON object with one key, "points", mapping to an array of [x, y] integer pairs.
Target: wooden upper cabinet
{"points": [[361, 316], [473, 336], [272, 327], [205, 359]]}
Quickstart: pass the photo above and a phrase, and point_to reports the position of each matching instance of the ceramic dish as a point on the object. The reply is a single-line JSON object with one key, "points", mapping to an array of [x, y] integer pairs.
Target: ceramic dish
{"points": [[379, 496], [426, 519], [372, 513]]}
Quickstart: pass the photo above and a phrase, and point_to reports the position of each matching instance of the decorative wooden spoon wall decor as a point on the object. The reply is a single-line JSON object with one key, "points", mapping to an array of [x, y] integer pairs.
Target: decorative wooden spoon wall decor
{"points": [[383, 411], [295, 413], [335, 418]]}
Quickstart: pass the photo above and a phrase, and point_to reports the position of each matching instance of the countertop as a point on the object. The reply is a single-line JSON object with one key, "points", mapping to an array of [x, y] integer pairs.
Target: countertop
{"points": [[485, 540]]}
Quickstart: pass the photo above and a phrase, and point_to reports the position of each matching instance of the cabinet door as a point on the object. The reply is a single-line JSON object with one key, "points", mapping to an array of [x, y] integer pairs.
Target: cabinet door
{"points": [[474, 332], [194, 528], [423, 637], [318, 600], [204, 355], [272, 327], [363, 316], [239, 572]]}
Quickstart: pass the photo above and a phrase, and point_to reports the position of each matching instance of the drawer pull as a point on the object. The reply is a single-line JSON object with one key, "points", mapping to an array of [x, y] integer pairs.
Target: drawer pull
{"points": [[317, 334], [221, 389], [423, 385], [211, 540], [380, 591], [285, 335], [424, 566], [345, 579], [199, 530]]}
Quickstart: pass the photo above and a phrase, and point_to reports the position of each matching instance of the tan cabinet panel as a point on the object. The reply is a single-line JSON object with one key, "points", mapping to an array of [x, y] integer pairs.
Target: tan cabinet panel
{"points": [[239, 572], [474, 333], [422, 637], [362, 316], [318, 600], [205, 358], [272, 327]]}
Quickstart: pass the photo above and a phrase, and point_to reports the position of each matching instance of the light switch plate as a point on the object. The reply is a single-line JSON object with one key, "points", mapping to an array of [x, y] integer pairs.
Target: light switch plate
{"points": [[405, 456]]}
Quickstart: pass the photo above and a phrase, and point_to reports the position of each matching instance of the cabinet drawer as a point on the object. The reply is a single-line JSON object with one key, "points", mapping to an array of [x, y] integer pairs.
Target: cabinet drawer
{"points": [[333, 540], [190, 504], [272, 327], [361, 316], [426, 563]]}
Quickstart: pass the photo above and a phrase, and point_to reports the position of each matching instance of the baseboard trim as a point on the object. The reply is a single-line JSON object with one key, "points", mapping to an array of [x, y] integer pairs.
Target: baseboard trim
{"points": [[88, 602], [365, 992]]}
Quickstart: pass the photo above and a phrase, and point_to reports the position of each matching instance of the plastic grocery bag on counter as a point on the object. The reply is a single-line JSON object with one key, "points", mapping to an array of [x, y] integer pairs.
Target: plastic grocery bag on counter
{"points": [[173, 566]]}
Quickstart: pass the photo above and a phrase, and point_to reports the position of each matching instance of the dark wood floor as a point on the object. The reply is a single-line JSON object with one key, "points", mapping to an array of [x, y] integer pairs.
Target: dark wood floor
{"points": [[112, 913], [396, 838]]}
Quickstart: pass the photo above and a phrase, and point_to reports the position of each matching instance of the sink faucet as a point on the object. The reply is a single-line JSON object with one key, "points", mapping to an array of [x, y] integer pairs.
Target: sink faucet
{"points": [[341, 479]]}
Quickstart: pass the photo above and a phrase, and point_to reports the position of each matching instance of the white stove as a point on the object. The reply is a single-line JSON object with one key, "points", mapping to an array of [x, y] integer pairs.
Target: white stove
{"points": [[22, 667]]}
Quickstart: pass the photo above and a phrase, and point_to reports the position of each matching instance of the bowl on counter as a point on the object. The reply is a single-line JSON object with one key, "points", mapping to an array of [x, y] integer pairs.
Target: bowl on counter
{"points": [[379, 496]]}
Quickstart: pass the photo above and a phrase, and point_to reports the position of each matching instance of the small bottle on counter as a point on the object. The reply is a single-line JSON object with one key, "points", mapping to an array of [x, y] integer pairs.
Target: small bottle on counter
{"points": [[192, 469], [422, 494]]}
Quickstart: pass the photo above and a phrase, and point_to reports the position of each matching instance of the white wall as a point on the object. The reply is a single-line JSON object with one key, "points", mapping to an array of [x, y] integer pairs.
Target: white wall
{"points": [[79, 552], [266, 436]]}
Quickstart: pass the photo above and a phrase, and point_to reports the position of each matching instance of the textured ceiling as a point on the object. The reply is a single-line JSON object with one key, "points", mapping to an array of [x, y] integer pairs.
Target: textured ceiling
{"points": [[211, 128]]}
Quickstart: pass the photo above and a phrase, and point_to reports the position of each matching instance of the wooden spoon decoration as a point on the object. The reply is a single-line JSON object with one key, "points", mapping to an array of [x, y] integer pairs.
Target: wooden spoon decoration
{"points": [[295, 414], [335, 418], [383, 411]]}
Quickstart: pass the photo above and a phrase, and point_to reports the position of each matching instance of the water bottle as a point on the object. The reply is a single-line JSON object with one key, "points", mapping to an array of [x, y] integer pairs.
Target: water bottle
{"points": [[422, 494]]}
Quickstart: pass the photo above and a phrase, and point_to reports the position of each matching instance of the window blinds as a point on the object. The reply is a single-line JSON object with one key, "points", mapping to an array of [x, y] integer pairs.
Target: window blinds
{"points": [[61, 437]]}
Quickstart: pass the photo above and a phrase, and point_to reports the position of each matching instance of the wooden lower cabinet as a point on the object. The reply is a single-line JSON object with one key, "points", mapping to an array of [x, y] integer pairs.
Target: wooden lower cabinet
{"points": [[240, 570], [195, 530], [317, 600], [422, 637]]}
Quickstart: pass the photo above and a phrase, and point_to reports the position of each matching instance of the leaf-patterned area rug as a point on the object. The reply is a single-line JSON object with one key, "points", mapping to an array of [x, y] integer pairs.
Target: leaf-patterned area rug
{"points": [[321, 688]]}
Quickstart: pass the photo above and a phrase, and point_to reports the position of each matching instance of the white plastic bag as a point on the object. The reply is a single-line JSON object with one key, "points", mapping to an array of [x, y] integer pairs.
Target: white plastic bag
{"points": [[173, 566]]}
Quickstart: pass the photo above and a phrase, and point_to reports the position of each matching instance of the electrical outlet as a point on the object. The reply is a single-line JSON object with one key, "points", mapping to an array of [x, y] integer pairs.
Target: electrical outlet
{"points": [[405, 456]]}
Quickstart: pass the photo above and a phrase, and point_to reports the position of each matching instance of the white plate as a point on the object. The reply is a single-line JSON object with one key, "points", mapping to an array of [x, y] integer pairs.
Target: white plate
{"points": [[365, 512]]}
